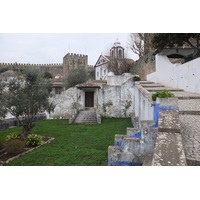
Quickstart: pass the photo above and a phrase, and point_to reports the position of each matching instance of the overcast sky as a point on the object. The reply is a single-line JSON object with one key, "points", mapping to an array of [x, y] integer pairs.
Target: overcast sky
{"points": [[50, 48]]}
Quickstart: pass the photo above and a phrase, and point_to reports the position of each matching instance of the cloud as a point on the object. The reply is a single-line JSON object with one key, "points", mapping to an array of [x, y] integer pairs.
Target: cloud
{"points": [[40, 48]]}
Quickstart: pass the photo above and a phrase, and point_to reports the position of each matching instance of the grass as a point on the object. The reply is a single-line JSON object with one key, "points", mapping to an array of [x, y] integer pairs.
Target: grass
{"points": [[74, 144]]}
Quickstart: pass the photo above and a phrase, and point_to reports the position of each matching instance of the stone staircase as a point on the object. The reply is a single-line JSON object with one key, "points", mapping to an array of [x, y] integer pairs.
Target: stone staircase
{"points": [[86, 117], [132, 148]]}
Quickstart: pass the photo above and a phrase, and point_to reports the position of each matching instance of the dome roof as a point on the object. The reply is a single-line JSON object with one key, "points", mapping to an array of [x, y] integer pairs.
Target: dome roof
{"points": [[117, 43]]}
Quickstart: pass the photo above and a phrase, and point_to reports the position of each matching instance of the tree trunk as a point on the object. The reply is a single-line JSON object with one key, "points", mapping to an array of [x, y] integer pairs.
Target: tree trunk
{"points": [[26, 130]]}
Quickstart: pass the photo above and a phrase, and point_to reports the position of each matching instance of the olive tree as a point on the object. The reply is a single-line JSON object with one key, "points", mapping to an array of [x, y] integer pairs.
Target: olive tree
{"points": [[27, 96]]}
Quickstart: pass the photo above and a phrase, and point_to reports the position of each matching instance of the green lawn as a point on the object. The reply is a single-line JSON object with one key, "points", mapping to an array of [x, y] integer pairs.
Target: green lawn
{"points": [[74, 144]]}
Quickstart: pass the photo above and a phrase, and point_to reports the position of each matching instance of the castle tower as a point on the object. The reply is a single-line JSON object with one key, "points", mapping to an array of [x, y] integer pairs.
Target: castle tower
{"points": [[117, 51], [71, 61]]}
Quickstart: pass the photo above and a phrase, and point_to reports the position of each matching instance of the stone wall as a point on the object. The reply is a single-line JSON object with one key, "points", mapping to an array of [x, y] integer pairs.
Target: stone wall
{"points": [[144, 66], [169, 150], [53, 69], [71, 61]]}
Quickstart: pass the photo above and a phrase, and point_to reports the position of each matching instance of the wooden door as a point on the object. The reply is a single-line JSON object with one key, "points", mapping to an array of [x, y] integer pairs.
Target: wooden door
{"points": [[89, 99]]}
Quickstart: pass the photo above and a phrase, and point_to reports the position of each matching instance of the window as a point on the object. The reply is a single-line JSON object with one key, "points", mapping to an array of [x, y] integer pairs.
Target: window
{"points": [[112, 53], [97, 74], [104, 71], [120, 53], [57, 90]]}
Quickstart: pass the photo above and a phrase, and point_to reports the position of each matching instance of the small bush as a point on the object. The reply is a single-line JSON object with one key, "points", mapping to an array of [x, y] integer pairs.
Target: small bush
{"points": [[136, 78], [15, 146], [162, 94], [33, 140], [2, 143], [13, 136]]}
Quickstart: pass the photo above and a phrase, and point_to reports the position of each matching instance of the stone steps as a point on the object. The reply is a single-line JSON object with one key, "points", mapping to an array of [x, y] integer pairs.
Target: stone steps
{"points": [[86, 117], [131, 148]]}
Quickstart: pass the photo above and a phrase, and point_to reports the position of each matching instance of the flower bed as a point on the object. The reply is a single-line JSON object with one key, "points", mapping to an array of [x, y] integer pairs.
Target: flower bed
{"points": [[6, 157]]}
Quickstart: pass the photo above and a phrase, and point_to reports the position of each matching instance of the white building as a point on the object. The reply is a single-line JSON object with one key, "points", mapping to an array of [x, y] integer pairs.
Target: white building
{"points": [[116, 54]]}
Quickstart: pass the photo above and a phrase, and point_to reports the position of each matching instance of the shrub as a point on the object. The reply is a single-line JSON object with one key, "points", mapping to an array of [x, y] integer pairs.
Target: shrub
{"points": [[13, 136], [2, 143], [33, 140], [136, 78], [15, 146], [162, 94], [76, 76]]}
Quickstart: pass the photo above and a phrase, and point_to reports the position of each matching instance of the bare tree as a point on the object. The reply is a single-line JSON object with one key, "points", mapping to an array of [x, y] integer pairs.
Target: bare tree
{"points": [[119, 66], [136, 43]]}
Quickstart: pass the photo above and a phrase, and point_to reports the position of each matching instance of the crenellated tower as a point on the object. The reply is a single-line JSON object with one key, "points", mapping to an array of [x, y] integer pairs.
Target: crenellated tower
{"points": [[71, 61]]}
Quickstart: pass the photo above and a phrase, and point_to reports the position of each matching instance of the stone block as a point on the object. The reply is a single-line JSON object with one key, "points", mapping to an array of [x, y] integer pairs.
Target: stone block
{"points": [[132, 131], [169, 121], [169, 150]]}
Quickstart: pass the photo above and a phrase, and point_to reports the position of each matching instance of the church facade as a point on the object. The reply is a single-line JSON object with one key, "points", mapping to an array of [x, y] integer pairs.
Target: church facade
{"points": [[109, 65]]}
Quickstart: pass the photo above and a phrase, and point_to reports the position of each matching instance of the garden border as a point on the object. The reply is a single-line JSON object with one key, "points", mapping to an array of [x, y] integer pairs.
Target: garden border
{"points": [[29, 150]]}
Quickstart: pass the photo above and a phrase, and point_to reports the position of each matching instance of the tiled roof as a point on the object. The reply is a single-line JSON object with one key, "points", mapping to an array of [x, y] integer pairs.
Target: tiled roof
{"points": [[129, 60]]}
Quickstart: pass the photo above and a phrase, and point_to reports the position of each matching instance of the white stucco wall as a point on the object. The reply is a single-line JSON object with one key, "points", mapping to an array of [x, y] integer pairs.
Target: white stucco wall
{"points": [[117, 80], [119, 96], [101, 72], [143, 106], [64, 103], [183, 76]]}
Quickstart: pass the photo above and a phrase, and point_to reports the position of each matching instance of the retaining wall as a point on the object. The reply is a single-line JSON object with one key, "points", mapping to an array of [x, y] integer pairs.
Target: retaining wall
{"points": [[183, 76], [143, 104]]}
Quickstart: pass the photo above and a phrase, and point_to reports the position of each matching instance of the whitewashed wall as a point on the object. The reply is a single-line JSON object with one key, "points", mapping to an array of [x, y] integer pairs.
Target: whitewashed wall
{"points": [[143, 105], [64, 102], [118, 95], [184, 76], [117, 80], [101, 72]]}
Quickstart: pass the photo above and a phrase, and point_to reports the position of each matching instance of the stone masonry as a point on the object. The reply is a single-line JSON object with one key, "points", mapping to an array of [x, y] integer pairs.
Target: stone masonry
{"points": [[189, 116], [70, 61]]}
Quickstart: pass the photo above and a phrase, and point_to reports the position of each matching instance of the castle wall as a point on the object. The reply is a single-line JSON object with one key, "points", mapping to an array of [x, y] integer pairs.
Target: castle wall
{"points": [[53, 69], [69, 61]]}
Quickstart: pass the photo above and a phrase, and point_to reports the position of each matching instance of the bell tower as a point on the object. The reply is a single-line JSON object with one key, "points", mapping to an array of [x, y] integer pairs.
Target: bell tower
{"points": [[117, 51]]}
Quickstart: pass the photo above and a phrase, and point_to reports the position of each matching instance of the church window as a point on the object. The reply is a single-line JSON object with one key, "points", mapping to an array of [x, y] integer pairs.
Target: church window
{"points": [[120, 53], [113, 54]]}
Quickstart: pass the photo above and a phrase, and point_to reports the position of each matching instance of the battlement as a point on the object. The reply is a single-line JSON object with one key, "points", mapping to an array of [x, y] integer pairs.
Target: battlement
{"points": [[73, 55], [90, 66], [28, 64]]}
